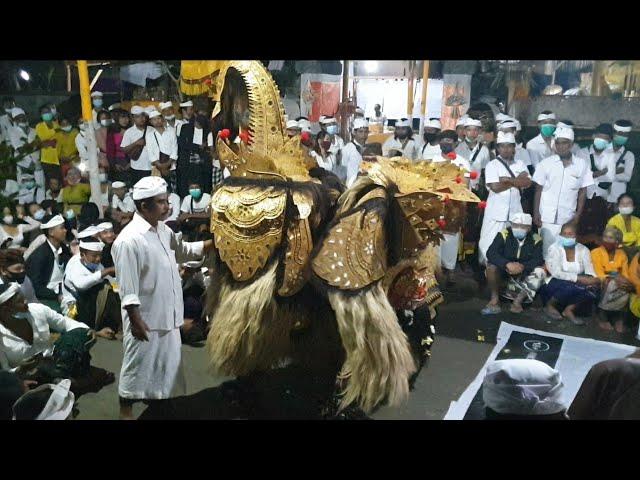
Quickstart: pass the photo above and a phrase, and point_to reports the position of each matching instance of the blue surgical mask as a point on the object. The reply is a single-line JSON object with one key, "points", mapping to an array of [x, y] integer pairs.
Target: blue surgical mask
{"points": [[97, 102], [92, 267], [332, 129], [39, 215], [70, 214], [195, 193], [567, 242], [619, 140], [47, 117], [547, 129], [519, 233], [600, 144]]}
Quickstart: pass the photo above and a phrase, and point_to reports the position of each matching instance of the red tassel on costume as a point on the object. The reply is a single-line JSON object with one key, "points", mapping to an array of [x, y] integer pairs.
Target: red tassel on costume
{"points": [[244, 136], [224, 133], [305, 137], [482, 205], [458, 180], [451, 155], [442, 223], [473, 175]]}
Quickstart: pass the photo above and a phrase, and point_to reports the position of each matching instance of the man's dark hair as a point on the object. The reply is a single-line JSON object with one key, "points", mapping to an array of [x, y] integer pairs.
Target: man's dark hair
{"points": [[44, 107], [546, 112], [10, 256], [567, 122], [147, 203], [448, 134], [605, 129], [46, 204], [31, 404], [301, 118]]}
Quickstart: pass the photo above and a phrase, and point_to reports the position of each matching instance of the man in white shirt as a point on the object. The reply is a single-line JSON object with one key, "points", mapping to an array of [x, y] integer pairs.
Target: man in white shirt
{"points": [[330, 125], [402, 144], [352, 151], [132, 140], [431, 146], [194, 212], [146, 255], [21, 134], [166, 109], [474, 151], [122, 206], [460, 123], [505, 177], [624, 160], [561, 184], [603, 166], [540, 146], [30, 192], [162, 143], [174, 205], [292, 128], [512, 126]]}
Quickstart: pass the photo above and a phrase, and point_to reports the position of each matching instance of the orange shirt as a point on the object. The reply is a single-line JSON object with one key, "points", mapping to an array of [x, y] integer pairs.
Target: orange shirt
{"points": [[603, 266]]}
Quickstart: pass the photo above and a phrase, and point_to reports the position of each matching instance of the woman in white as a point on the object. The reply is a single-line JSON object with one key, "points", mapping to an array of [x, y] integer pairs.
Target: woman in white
{"points": [[11, 232], [325, 158], [573, 283]]}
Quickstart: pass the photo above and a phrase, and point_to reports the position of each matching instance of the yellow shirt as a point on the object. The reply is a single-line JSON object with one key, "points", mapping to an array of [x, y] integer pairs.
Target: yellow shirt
{"points": [[604, 266], [630, 238], [48, 154], [67, 143], [74, 196]]}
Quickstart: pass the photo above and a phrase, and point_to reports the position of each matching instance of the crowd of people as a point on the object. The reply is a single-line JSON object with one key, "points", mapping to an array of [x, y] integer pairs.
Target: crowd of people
{"points": [[555, 219]]}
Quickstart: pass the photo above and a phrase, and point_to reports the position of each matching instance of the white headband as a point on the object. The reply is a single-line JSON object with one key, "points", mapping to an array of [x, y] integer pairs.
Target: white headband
{"points": [[546, 116], [104, 226], [60, 403], [92, 246], [118, 185], [90, 231], [620, 129], [54, 222], [402, 123], [186, 104], [9, 292], [164, 105], [432, 124]]}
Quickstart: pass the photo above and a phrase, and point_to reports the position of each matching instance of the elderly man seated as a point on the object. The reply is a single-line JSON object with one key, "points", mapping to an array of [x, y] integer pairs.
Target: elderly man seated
{"points": [[523, 389], [515, 255]]}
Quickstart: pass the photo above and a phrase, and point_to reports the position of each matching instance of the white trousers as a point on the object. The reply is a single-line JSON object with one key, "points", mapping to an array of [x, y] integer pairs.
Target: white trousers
{"points": [[449, 250], [549, 233], [490, 228], [152, 370]]}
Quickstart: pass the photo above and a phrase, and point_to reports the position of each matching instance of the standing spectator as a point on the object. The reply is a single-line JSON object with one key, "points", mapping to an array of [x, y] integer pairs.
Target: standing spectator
{"points": [[12, 270], [611, 266], [134, 146], [194, 155], [21, 136], [163, 147], [30, 191], [45, 266], [561, 184], [122, 206], [352, 152], [402, 144], [174, 207], [46, 131], [505, 178], [628, 224], [431, 146], [573, 285], [188, 115], [460, 126], [541, 146], [97, 102], [119, 163], [472, 149], [624, 160], [166, 109], [75, 194], [292, 128], [102, 129], [325, 158], [330, 125], [67, 150]]}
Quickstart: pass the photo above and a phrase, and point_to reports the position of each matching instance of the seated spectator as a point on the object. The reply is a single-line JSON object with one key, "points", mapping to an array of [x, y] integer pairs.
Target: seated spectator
{"points": [[628, 224], [122, 206], [174, 206], [573, 285], [193, 287], [195, 210], [523, 389], [14, 226], [75, 194], [515, 255], [30, 191], [634, 276], [107, 236], [46, 402], [610, 391], [87, 294], [612, 267], [12, 270], [55, 190], [45, 266], [89, 215]]}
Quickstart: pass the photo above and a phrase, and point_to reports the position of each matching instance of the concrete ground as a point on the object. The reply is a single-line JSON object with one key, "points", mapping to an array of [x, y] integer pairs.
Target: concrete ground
{"points": [[463, 342]]}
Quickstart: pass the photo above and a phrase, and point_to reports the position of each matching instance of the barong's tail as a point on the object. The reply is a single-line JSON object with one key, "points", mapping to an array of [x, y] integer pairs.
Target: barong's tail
{"points": [[378, 361], [249, 331]]}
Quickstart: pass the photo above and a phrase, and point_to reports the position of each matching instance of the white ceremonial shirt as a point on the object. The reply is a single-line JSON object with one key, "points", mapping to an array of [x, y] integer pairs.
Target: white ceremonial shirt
{"points": [[125, 205], [131, 135], [522, 155], [619, 185], [31, 195], [189, 205], [409, 150], [351, 160], [459, 161], [337, 144], [19, 137], [11, 187], [14, 350], [165, 142], [560, 187], [602, 160], [146, 261], [428, 151], [174, 203], [78, 278], [539, 149], [328, 163], [500, 206], [560, 268], [481, 152]]}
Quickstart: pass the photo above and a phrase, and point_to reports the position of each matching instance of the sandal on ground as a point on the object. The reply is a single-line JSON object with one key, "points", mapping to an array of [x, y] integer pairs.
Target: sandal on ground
{"points": [[491, 310]]}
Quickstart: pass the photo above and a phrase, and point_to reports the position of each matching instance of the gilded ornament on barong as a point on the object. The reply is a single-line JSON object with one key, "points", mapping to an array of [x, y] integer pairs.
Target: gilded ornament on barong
{"points": [[247, 224], [353, 253], [296, 259]]}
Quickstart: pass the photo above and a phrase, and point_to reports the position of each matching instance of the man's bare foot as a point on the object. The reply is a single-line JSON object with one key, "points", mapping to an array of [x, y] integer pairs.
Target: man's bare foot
{"points": [[620, 328], [126, 412], [516, 308], [551, 311], [569, 314], [605, 326]]}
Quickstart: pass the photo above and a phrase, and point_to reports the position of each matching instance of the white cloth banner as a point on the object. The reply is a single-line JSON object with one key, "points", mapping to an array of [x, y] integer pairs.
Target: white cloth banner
{"points": [[575, 358]]}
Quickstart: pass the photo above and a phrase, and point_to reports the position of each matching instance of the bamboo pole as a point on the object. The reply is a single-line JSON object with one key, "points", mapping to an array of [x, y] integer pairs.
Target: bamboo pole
{"points": [[92, 147], [425, 81], [345, 95], [410, 93]]}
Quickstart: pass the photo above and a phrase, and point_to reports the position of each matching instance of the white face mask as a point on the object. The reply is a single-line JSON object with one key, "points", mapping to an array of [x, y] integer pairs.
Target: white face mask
{"points": [[102, 177], [39, 215], [626, 210], [8, 219], [67, 128], [169, 117], [106, 122]]}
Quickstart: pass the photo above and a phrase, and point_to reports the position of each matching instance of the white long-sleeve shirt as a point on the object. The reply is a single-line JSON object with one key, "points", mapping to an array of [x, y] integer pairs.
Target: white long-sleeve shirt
{"points": [[560, 268], [602, 160], [174, 203], [14, 350], [146, 261], [409, 150], [539, 149], [351, 159], [619, 185], [78, 278]]}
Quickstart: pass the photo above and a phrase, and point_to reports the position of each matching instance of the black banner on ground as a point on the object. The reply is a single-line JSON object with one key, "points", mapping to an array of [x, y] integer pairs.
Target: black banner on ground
{"points": [[520, 345]]}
